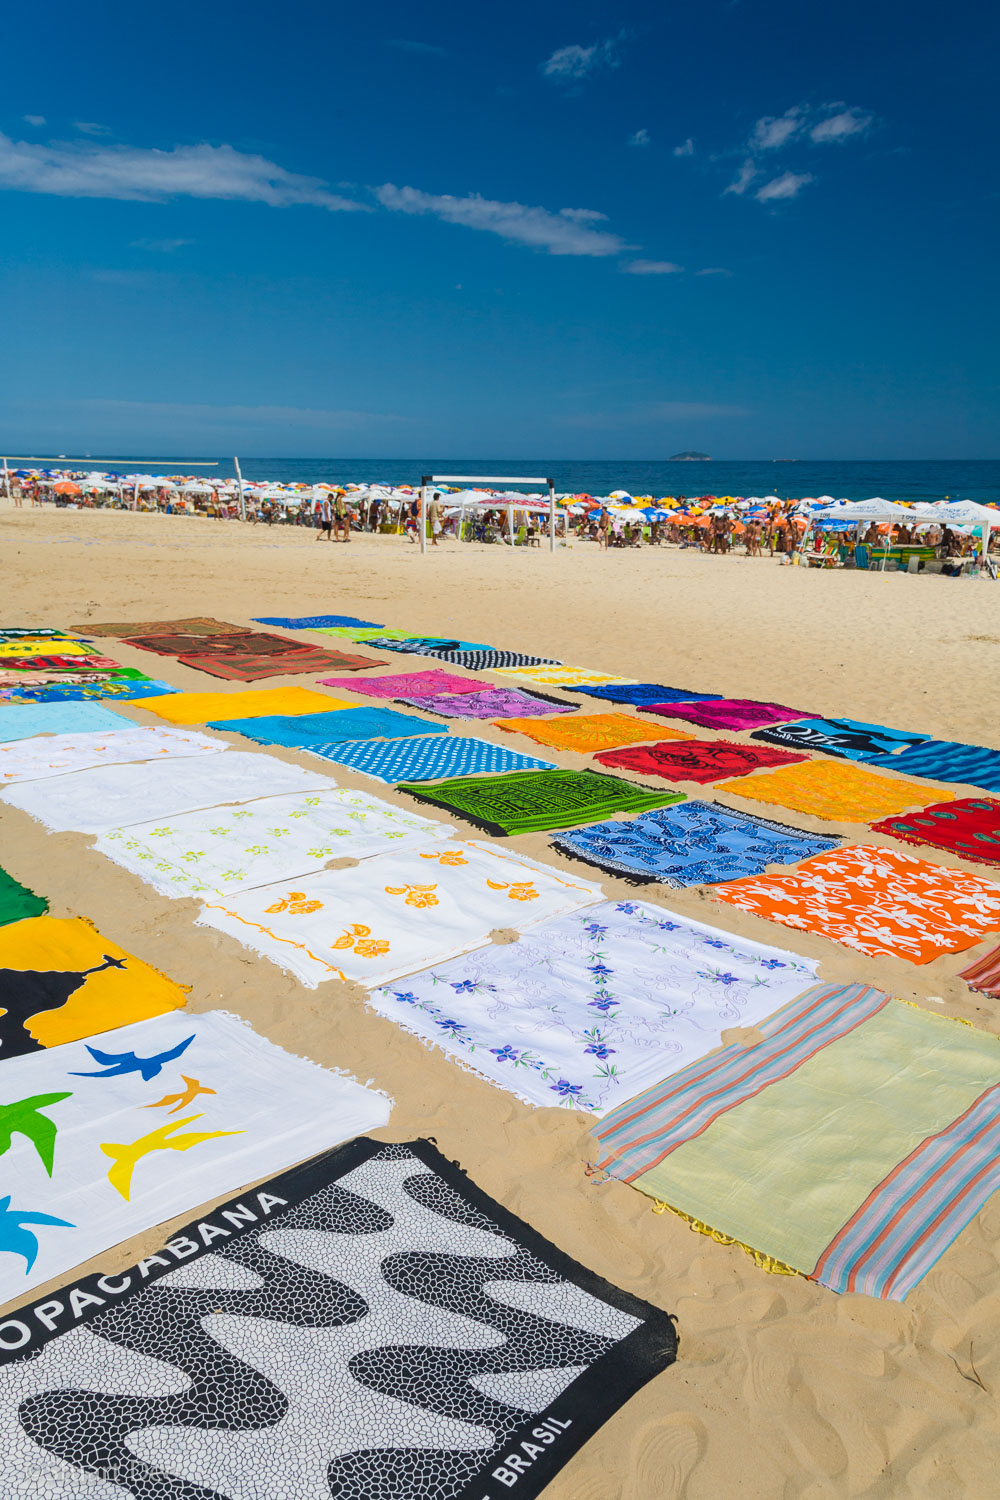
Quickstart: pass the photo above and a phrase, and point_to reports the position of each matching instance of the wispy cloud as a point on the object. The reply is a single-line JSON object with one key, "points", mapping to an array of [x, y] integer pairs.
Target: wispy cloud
{"points": [[33, 119], [653, 413], [569, 64], [568, 232], [776, 130], [162, 247], [93, 170], [641, 138], [788, 185], [89, 127], [840, 126], [651, 267], [743, 178], [713, 271], [686, 148], [422, 49]]}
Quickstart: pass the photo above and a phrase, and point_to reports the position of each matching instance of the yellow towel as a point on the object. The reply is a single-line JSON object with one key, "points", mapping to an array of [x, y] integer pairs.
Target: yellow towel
{"points": [[255, 703]]}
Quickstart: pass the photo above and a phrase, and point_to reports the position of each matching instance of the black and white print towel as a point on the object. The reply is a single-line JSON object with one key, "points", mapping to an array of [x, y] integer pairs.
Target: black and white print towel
{"points": [[368, 1326]]}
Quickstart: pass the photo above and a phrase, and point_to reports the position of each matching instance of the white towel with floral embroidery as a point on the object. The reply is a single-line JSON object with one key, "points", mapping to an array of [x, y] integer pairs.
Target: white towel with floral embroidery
{"points": [[114, 796], [591, 1008], [57, 754], [400, 912], [220, 850]]}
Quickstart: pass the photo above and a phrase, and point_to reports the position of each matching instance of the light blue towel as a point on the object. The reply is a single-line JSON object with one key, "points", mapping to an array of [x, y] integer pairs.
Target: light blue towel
{"points": [[306, 731], [427, 759], [19, 721], [315, 622]]}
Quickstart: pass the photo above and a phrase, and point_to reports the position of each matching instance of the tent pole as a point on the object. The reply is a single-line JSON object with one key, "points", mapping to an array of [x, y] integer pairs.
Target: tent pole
{"points": [[239, 481], [423, 512], [552, 515]]}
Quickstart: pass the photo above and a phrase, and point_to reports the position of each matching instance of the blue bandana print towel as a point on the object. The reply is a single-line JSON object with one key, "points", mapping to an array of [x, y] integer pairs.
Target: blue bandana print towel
{"points": [[307, 731], [693, 843], [428, 759], [638, 693], [74, 692], [315, 622]]}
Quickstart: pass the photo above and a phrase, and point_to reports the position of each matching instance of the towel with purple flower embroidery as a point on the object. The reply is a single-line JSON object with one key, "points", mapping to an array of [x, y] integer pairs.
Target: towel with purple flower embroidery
{"points": [[593, 1007]]}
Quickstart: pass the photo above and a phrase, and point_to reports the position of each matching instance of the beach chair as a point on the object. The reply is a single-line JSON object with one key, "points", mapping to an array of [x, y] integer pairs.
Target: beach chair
{"points": [[862, 556]]}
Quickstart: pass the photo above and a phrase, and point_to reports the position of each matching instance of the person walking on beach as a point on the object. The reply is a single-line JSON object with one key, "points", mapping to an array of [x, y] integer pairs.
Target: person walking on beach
{"points": [[324, 520], [434, 516], [341, 517]]}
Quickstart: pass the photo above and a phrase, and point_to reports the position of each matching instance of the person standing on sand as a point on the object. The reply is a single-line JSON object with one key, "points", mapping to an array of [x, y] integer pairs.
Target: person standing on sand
{"points": [[324, 520], [434, 516], [341, 517]]}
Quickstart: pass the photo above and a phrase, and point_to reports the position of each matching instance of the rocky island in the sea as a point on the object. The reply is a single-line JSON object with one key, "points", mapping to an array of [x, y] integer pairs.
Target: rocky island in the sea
{"points": [[688, 458]]}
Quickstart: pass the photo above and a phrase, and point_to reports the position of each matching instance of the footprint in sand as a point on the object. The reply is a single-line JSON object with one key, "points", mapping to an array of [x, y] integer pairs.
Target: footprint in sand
{"points": [[663, 1456]]}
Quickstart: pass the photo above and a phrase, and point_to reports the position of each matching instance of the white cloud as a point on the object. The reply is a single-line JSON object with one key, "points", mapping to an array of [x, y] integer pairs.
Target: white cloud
{"points": [[568, 232], [641, 138], [164, 247], [713, 271], [651, 267], [422, 49], [743, 178], [686, 148], [33, 119], [574, 62], [839, 127], [88, 127], [92, 170], [776, 130], [788, 185]]}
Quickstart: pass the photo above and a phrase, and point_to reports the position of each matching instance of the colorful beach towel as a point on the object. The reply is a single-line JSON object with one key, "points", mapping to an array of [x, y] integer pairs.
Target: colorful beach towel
{"points": [[368, 1325], [198, 708], [850, 738], [399, 912], [17, 902], [57, 665], [427, 645], [124, 685], [408, 684], [586, 732], [853, 1143], [42, 632], [561, 676], [364, 633], [984, 974], [314, 622], [426, 757], [948, 760], [19, 721], [639, 693], [969, 827], [27, 647], [535, 803], [104, 1139], [181, 643], [832, 790], [218, 850], [114, 796], [250, 667], [192, 625], [590, 1008], [728, 713], [55, 754], [696, 760], [493, 703], [492, 661], [303, 731], [879, 901], [696, 843], [61, 980]]}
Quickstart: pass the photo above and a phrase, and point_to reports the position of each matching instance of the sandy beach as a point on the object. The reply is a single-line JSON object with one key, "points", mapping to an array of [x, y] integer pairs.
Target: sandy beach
{"points": [[782, 1390]]}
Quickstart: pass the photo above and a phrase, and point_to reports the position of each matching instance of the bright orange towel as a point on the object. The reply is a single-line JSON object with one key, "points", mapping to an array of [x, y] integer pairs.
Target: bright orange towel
{"points": [[833, 790], [198, 708], [584, 732]]}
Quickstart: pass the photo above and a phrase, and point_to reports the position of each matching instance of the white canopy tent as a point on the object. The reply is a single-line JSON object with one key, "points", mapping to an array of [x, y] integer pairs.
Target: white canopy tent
{"points": [[477, 479]]}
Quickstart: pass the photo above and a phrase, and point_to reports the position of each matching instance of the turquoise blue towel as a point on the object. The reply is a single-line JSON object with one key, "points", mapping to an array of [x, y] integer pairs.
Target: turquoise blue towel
{"points": [[306, 731]]}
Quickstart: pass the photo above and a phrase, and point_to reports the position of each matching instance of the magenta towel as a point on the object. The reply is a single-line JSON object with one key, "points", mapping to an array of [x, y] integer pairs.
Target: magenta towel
{"points": [[722, 713], [410, 684]]}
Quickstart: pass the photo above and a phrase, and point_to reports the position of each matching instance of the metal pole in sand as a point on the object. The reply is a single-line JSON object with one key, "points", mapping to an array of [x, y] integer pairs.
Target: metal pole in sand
{"points": [[239, 482], [6, 479], [552, 515], [424, 482]]}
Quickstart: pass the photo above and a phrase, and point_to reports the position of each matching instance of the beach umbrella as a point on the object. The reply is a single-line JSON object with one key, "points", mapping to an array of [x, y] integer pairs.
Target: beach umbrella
{"points": [[66, 487]]}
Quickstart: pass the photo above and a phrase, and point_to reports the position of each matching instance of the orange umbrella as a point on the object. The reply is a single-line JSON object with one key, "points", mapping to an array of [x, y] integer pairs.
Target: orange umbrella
{"points": [[66, 487]]}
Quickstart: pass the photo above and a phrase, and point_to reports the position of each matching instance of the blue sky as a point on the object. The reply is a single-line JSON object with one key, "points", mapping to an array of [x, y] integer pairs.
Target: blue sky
{"points": [[757, 229]]}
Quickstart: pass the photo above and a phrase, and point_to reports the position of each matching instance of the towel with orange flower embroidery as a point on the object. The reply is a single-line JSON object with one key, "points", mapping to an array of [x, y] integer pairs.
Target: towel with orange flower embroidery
{"points": [[398, 912]]}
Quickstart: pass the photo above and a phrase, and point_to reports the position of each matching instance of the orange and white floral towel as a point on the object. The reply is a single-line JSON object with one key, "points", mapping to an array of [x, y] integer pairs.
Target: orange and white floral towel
{"points": [[396, 913], [586, 732], [876, 900], [833, 790]]}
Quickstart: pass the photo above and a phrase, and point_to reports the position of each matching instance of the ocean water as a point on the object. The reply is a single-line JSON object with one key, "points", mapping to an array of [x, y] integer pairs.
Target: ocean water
{"points": [[857, 480]]}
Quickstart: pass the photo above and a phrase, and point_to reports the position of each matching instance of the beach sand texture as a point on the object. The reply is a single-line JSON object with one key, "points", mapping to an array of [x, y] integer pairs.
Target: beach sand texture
{"points": [[782, 1390]]}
